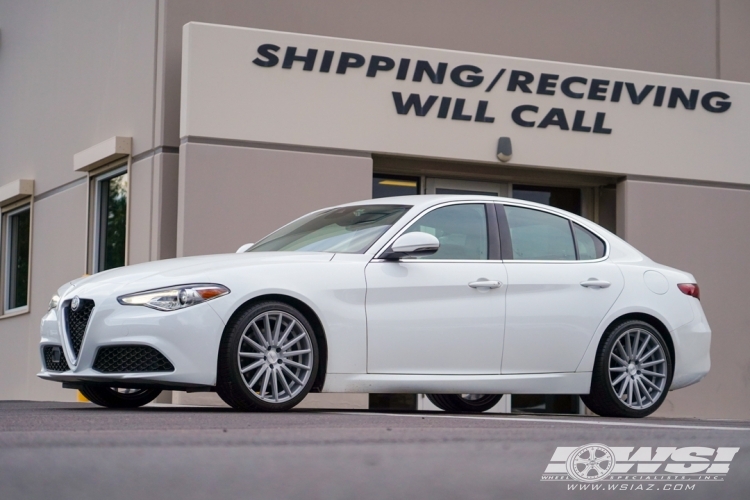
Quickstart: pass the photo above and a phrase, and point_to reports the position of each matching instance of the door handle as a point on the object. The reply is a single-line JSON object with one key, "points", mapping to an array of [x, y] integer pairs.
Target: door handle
{"points": [[593, 282], [485, 284]]}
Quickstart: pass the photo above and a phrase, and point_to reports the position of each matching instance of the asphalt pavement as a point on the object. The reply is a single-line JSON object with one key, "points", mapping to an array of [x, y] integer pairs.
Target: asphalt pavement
{"points": [[58, 451]]}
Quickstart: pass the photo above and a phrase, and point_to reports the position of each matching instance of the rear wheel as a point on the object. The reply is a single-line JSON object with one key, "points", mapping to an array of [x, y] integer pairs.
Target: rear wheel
{"points": [[632, 372], [113, 397], [469, 403], [268, 359]]}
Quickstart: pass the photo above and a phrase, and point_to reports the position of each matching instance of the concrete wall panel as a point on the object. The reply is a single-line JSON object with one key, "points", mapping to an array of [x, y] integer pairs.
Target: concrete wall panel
{"points": [[232, 195], [734, 40], [669, 36], [59, 246], [701, 230], [72, 74]]}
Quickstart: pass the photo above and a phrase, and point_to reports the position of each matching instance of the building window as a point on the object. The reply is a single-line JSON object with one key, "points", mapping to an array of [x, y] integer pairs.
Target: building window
{"points": [[111, 195], [17, 245], [384, 186]]}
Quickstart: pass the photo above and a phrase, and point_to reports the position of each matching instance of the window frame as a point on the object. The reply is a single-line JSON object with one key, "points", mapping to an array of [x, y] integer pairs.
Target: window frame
{"points": [[96, 178], [8, 211], [493, 237], [507, 249]]}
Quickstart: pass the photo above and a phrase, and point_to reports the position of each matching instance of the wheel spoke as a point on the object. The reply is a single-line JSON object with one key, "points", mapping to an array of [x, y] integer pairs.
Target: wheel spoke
{"points": [[267, 327], [298, 365], [253, 343], [647, 381], [277, 329], [295, 353], [291, 374], [619, 379], [618, 369], [639, 354], [293, 341], [621, 348], [624, 386], [252, 355], [287, 331], [256, 377], [619, 359], [285, 383], [259, 334], [253, 365], [653, 374], [630, 392], [637, 340], [275, 385], [264, 386], [628, 346], [638, 393], [652, 351], [652, 363], [645, 391]]}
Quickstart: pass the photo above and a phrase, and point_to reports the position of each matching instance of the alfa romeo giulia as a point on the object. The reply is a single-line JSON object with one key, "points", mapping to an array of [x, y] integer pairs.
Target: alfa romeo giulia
{"points": [[462, 298]]}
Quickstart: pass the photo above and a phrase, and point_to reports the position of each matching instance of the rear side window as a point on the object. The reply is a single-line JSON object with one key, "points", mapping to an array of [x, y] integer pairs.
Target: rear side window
{"points": [[537, 235], [590, 247]]}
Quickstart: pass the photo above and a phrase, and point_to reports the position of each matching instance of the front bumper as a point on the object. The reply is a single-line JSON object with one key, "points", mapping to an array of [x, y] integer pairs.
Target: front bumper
{"points": [[189, 338]]}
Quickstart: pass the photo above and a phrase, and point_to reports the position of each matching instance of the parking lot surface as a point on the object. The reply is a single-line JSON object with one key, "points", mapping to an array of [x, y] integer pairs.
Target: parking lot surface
{"points": [[80, 451]]}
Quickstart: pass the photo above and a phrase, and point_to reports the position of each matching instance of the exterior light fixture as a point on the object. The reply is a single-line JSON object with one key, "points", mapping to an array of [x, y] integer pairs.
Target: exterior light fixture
{"points": [[504, 149]]}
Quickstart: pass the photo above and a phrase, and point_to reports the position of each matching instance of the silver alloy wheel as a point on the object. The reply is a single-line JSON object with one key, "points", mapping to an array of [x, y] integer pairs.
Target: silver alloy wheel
{"points": [[275, 356], [638, 368]]}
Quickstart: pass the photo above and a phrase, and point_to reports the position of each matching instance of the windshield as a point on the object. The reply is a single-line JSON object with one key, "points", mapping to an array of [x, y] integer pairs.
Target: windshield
{"points": [[340, 230]]}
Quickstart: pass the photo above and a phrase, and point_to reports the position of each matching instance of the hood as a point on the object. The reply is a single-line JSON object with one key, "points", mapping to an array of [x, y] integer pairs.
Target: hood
{"points": [[137, 272]]}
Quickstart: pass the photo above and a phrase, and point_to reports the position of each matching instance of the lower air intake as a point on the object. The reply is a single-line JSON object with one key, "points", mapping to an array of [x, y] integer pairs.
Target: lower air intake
{"points": [[131, 359], [54, 359]]}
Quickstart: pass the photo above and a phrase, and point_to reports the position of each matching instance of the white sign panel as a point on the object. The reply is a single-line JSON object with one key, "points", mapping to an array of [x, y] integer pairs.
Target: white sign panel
{"points": [[265, 86]]}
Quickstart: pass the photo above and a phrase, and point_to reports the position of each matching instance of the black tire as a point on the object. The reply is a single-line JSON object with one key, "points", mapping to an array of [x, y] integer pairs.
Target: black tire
{"points": [[111, 397], [456, 403], [232, 386], [603, 399]]}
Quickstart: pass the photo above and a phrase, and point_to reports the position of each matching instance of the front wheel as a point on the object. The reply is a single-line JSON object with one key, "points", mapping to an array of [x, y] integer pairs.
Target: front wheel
{"points": [[632, 372], [113, 397], [268, 359], [467, 403]]}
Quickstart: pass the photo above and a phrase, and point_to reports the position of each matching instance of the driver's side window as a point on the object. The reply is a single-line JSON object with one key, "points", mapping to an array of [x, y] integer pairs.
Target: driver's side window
{"points": [[461, 230]]}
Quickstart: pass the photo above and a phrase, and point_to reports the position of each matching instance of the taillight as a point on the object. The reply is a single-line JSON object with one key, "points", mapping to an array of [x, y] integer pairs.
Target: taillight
{"points": [[691, 289]]}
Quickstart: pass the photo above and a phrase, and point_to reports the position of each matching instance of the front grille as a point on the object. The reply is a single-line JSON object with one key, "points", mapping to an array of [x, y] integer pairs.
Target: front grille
{"points": [[131, 359], [54, 359], [77, 321]]}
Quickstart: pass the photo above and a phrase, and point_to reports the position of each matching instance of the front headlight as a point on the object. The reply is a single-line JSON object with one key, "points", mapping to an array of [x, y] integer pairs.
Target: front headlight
{"points": [[54, 301], [173, 298]]}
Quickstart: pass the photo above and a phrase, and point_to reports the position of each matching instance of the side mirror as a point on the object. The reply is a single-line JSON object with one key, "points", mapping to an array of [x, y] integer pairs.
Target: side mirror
{"points": [[244, 248], [412, 245]]}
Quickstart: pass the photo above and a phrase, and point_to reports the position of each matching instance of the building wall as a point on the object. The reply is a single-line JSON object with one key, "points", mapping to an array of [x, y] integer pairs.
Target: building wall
{"points": [[702, 230], [704, 38], [268, 188], [75, 73], [72, 74]]}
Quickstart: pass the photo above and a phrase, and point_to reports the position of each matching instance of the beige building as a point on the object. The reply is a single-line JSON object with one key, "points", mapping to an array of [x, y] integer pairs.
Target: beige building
{"points": [[127, 137]]}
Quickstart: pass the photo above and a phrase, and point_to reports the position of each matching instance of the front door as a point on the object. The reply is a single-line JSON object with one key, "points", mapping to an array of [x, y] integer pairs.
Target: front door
{"points": [[439, 314]]}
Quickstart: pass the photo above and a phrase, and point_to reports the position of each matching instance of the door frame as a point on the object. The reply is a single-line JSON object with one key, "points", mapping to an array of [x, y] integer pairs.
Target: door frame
{"points": [[497, 188]]}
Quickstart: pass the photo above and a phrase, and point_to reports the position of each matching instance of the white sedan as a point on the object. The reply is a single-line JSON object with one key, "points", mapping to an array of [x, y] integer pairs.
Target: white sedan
{"points": [[463, 298]]}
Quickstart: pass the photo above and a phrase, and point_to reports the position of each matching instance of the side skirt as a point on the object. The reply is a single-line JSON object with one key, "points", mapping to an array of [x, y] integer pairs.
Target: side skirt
{"points": [[534, 383]]}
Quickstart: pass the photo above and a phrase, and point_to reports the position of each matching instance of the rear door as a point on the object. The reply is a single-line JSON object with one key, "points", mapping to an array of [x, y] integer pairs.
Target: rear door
{"points": [[560, 287]]}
